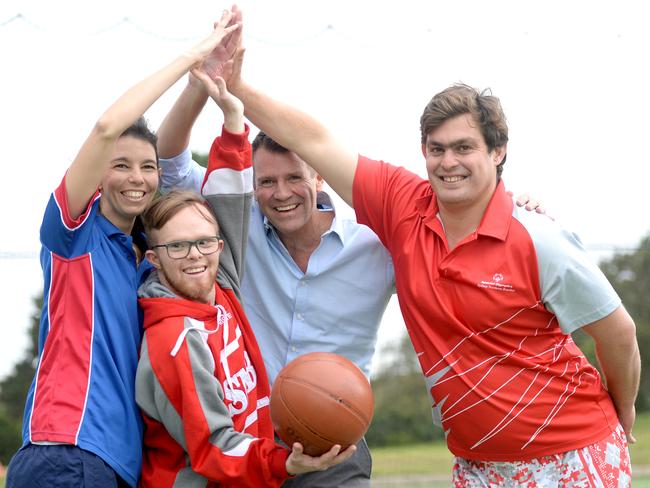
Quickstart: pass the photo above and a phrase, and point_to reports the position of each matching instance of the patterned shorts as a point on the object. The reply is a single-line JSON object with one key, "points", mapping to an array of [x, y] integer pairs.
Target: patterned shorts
{"points": [[605, 464]]}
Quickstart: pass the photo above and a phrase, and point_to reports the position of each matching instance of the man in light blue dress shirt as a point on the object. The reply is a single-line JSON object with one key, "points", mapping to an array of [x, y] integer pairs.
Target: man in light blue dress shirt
{"points": [[313, 281]]}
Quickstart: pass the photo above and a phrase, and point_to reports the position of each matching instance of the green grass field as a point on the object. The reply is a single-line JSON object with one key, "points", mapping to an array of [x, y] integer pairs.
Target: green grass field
{"points": [[429, 465]]}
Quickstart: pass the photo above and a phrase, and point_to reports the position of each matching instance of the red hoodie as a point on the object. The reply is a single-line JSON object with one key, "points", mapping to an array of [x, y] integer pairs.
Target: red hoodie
{"points": [[201, 382]]}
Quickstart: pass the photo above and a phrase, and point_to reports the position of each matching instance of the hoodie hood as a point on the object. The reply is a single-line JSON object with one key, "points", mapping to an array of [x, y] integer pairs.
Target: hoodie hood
{"points": [[159, 303], [153, 288]]}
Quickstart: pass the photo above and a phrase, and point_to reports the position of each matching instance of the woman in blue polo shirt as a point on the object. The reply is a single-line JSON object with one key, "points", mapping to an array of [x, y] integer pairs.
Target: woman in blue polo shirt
{"points": [[81, 425]]}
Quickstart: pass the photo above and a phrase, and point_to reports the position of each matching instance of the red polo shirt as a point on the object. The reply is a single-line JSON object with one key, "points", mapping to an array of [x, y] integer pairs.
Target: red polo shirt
{"points": [[490, 320]]}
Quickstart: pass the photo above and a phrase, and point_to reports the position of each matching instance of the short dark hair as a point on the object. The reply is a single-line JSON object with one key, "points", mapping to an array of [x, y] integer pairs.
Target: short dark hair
{"points": [[265, 142], [140, 130], [460, 99], [262, 140]]}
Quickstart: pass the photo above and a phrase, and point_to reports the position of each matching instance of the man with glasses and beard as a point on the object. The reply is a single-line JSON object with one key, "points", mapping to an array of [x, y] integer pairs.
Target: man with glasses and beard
{"points": [[201, 382]]}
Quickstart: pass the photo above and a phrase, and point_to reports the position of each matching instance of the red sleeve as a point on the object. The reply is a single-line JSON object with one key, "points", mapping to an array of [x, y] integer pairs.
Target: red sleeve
{"points": [[231, 152], [61, 197], [228, 187], [384, 194]]}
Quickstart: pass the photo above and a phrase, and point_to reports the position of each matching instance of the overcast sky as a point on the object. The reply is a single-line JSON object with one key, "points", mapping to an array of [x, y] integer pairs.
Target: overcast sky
{"points": [[572, 77]]}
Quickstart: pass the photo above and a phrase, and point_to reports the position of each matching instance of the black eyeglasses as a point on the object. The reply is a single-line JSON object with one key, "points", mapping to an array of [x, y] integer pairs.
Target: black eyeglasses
{"points": [[181, 249]]}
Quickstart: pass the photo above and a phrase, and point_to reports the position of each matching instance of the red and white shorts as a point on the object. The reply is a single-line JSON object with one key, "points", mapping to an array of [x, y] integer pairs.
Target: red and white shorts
{"points": [[604, 464]]}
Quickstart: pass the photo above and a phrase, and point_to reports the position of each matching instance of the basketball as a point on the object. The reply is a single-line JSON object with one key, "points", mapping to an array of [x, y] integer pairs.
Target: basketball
{"points": [[321, 399]]}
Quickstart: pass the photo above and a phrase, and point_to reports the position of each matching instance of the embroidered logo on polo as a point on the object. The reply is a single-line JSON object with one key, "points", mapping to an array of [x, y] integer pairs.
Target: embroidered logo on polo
{"points": [[496, 283]]}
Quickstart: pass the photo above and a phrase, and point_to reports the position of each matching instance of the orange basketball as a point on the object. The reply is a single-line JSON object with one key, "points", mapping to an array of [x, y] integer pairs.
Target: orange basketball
{"points": [[321, 399]]}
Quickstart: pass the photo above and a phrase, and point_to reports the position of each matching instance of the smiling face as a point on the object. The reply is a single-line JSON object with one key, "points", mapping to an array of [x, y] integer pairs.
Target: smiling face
{"points": [[192, 277], [286, 190], [130, 182], [461, 169]]}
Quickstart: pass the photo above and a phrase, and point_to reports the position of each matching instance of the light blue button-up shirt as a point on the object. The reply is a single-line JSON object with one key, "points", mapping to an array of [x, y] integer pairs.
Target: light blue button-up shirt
{"points": [[336, 306]]}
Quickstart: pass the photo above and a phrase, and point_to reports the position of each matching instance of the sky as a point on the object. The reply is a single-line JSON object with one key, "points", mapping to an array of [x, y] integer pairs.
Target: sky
{"points": [[571, 77]]}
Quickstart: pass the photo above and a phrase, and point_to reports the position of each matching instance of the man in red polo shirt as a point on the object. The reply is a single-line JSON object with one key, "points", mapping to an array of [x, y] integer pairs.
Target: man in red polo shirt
{"points": [[490, 295]]}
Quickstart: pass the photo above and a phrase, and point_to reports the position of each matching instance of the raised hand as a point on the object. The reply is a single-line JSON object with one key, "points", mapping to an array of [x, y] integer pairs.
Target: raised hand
{"points": [[232, 68], [213, 64], [222, 37], [298, 462], [230, 105]]}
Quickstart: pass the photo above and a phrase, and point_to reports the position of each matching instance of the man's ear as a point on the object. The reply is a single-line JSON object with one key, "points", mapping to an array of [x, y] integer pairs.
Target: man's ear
{"points": [[319, 182], [498, 153], [152, 257], [424, 150]]}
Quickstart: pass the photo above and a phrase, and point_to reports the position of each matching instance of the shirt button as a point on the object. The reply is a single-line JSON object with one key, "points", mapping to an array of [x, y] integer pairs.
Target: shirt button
{"points": [[299, 316], [293, 348]]}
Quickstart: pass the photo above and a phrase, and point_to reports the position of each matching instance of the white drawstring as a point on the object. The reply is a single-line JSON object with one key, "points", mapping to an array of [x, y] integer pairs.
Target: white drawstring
{"points": [[196, 325], [222, 315], [222, 322]]}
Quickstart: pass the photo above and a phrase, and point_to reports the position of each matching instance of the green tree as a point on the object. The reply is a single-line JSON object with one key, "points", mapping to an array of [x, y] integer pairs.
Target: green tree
{"points": [[14, 388], [200, 158], [629, 273], [10, 438], [402, 403]]}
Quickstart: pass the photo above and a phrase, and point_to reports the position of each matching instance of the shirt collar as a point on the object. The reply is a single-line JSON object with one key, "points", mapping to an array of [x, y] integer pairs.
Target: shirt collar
{"points": [[136, 237], [323, 204], [109, 228], [498, 214], [495, 222]]}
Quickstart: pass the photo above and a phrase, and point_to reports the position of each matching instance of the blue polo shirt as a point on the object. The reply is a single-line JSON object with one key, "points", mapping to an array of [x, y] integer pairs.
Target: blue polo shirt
{"points": [[83, 392]]}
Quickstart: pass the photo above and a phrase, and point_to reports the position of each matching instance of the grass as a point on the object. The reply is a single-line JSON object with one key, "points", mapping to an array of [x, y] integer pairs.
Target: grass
{"points": [[640, 452], [430, 464], [415, 459]]}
